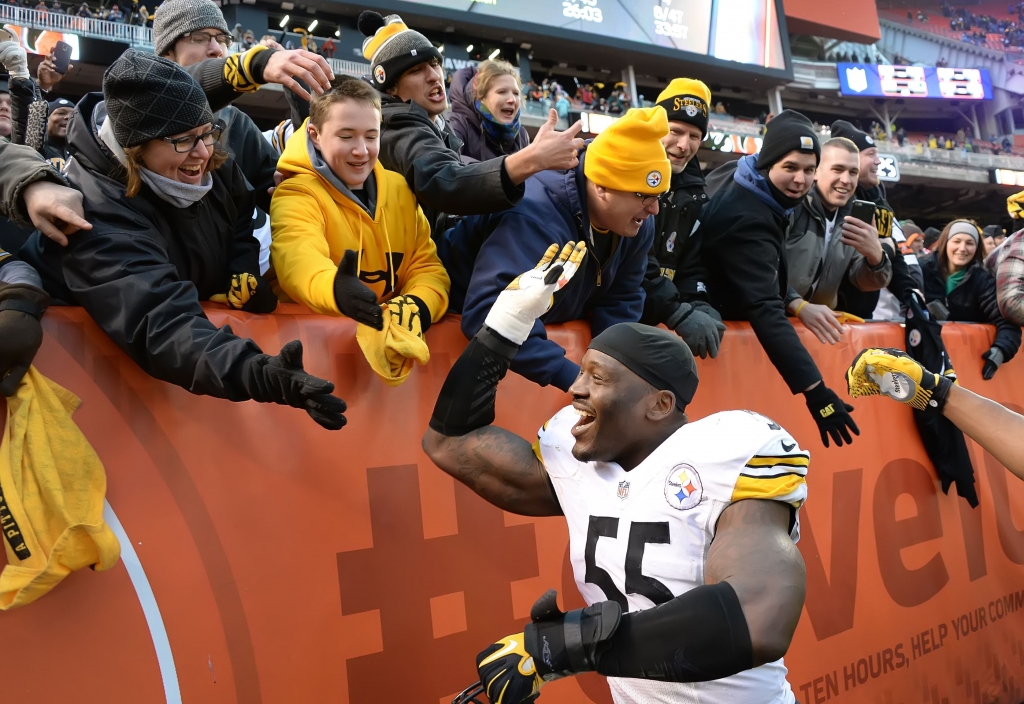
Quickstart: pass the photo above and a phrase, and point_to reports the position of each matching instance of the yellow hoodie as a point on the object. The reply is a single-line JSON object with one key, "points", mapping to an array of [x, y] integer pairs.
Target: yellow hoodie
{"points": [[313, 222]]}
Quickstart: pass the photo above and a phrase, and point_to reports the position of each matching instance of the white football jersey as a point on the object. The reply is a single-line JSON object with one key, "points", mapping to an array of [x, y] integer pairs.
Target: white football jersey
{"points": [[641, 537]]}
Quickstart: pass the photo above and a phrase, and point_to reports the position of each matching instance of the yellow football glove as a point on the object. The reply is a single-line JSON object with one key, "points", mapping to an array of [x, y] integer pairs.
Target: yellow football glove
{"points": [[893, 373], [532, 293], [247, 294], [507, 672]]}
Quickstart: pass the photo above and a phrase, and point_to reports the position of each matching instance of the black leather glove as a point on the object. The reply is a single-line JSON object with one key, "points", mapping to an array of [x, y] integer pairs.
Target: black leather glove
{"points": [[282, 380], [21, 332], [354, 298], [700, 326], [993, 358], [831, 414]]}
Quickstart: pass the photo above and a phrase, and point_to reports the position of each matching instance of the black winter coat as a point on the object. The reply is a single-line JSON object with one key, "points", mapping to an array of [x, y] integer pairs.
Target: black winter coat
{"points": [[145, 265], [972, 301], [430, 160], [743, 250], [674, 271]]}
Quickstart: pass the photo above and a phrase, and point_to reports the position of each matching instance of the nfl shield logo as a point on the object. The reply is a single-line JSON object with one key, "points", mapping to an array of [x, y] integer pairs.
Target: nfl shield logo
{"points": [[623, 491], [857, 79]]}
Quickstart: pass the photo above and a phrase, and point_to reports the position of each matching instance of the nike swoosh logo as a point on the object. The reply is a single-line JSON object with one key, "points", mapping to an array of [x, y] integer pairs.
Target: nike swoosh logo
{"points": [[786, 447], [509, 648]]}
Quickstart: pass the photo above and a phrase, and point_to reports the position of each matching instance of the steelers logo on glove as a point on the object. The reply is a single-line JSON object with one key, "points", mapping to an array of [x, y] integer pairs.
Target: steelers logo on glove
{"points": [[243, 287], [246, 293], [893, 373], [406, 313], [507, 672]]}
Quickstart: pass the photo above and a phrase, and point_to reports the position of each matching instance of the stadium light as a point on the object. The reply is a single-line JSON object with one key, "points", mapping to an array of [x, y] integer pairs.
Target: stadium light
{"points": [[284, 21], [312, 26], [494, 54], [469, 49], [337, 32], [440, 47]]}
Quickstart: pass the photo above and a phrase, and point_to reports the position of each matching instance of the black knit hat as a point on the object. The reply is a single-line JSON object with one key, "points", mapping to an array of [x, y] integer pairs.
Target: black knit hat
{"points": [[842, 128], [392, 48], [148, 97], [789, 131]]}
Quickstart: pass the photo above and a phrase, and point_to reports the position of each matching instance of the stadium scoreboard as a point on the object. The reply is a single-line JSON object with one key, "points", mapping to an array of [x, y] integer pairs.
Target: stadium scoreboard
{"points": [[883, 81]]}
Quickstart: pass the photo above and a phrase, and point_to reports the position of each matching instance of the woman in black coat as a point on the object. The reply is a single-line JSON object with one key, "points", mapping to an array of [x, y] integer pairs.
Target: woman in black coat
{"points": [[955, 276], [172, 225], [486, 107]]}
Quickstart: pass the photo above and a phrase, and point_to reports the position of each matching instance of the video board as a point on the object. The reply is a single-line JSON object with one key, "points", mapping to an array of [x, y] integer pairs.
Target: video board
{"points": [[746, 31], [881, 81]]}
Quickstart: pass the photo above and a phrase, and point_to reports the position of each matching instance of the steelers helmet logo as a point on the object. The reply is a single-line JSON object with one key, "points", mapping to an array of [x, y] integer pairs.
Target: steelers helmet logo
{"points": [[378, 74], [691, 109], [654, 179], [915, 338], [683, 488]]}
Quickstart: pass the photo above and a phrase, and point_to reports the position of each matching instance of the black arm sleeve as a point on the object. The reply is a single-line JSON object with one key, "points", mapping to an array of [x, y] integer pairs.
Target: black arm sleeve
{"points": [[697, 636], [466, 401]]}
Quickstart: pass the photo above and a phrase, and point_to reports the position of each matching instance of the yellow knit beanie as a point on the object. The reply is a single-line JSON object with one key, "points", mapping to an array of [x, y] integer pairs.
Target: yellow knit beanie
{"points": [[628, 156], [687, 100]]}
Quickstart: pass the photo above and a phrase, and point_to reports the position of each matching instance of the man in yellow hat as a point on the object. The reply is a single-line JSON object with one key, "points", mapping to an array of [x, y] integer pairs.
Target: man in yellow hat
{"points": [[606, 201], [674, 283]]}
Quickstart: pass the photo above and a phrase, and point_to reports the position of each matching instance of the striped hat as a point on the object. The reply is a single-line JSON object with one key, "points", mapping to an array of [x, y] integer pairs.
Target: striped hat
{"points": [[392, 48]]}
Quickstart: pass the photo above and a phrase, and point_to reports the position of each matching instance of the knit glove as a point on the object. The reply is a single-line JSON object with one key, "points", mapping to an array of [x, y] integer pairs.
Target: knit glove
{"points": [[700, 326], [281, 379], [14, 59], [993, 358], [893, 373], [249, 293], [21, 332], [354, 298], [831, 414], [531, 294]]}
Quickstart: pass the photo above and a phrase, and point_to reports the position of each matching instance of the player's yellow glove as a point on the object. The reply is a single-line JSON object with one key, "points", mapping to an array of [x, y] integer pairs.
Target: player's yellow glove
{"points": [[531, 294], [893, 373], [507, 672], [249, 293]]}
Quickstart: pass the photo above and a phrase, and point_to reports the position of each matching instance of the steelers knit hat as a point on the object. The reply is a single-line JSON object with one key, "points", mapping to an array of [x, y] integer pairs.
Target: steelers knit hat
{"points": [[842, 128], [392, 48], [628, 156], [148, 97], [687, 100], [176, 18]]}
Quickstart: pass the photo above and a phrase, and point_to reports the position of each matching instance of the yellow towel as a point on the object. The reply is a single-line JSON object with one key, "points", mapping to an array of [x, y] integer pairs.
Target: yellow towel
{"points": [[391, 351], [52, 486]]}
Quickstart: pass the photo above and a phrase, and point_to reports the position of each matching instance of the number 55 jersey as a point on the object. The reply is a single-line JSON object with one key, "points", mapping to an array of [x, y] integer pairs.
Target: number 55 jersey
{"points": [[641, 537]]}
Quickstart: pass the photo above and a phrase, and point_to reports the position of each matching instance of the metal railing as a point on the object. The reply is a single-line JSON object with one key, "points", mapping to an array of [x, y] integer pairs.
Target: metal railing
{"points": [[953, 157], [135, 36], [132, 35]]}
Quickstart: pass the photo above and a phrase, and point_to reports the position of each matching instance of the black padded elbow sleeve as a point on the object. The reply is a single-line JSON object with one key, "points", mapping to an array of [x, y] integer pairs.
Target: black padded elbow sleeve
{"points": [[466, 401], [697, 636]]}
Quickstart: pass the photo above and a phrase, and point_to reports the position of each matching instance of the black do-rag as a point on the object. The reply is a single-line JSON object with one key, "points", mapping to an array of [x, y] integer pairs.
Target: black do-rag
{"points": [[789, 131], [657, 356], [842, 128]]}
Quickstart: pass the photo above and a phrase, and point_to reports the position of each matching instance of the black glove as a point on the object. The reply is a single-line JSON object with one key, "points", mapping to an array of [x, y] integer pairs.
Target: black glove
{"points": [[282, 380], [993, 358], [21, 333], [700, 326], [354, 298], [831, 414], [507, 672]]}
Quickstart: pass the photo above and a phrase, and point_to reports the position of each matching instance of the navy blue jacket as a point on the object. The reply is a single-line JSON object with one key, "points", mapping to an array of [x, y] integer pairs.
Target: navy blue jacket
{"points": [[485, 252]]}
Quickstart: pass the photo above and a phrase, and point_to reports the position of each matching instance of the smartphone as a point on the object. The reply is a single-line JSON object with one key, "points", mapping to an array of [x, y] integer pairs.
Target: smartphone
{"points": [[863, 210], [7, 35], [61, 57]]}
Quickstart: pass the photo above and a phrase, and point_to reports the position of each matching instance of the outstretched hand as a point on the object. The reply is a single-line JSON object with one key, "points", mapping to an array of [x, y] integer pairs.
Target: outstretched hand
{"points": [[55, 210], [285, 66], [531, 294], [557, 150]]}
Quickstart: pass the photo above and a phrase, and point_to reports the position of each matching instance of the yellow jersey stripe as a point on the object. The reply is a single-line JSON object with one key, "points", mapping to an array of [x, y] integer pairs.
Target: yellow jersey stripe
{"points": [[784, 460], [536, 450], [758, 488], [777, 475]]}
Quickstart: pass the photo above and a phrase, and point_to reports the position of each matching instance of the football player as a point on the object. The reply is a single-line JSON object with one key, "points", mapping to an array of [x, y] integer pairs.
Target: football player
{"points": [[681, 533]]}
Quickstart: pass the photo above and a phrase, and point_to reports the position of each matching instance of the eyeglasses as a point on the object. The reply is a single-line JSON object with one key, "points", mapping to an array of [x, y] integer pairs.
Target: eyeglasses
{"points": [[204, 38], [645, 200], [183, 145]]}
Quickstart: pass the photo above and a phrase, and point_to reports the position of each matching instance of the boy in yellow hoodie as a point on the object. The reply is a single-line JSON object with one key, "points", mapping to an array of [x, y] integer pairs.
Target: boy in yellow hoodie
{"points": [[348, 235]]}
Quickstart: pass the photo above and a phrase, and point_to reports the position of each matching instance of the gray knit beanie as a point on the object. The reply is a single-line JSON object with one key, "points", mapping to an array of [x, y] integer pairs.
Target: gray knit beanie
{"points": [[392, 48], [148, 97], [176, 18]]}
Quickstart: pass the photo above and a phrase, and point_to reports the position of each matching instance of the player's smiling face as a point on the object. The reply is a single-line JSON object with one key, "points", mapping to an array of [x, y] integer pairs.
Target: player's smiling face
{"points": [[611, 402]]}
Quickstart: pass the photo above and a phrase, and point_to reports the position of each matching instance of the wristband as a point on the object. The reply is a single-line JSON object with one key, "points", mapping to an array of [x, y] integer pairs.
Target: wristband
{"points": [[800, 307]]}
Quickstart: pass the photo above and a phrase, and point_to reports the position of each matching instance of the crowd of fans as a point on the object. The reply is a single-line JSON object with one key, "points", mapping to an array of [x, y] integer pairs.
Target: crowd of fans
{"points": [[392, 202], [979, 28]]}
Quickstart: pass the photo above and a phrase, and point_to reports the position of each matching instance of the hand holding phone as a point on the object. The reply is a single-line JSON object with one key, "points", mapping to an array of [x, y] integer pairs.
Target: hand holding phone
{"points": [[61, 57], [863, 210]]}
